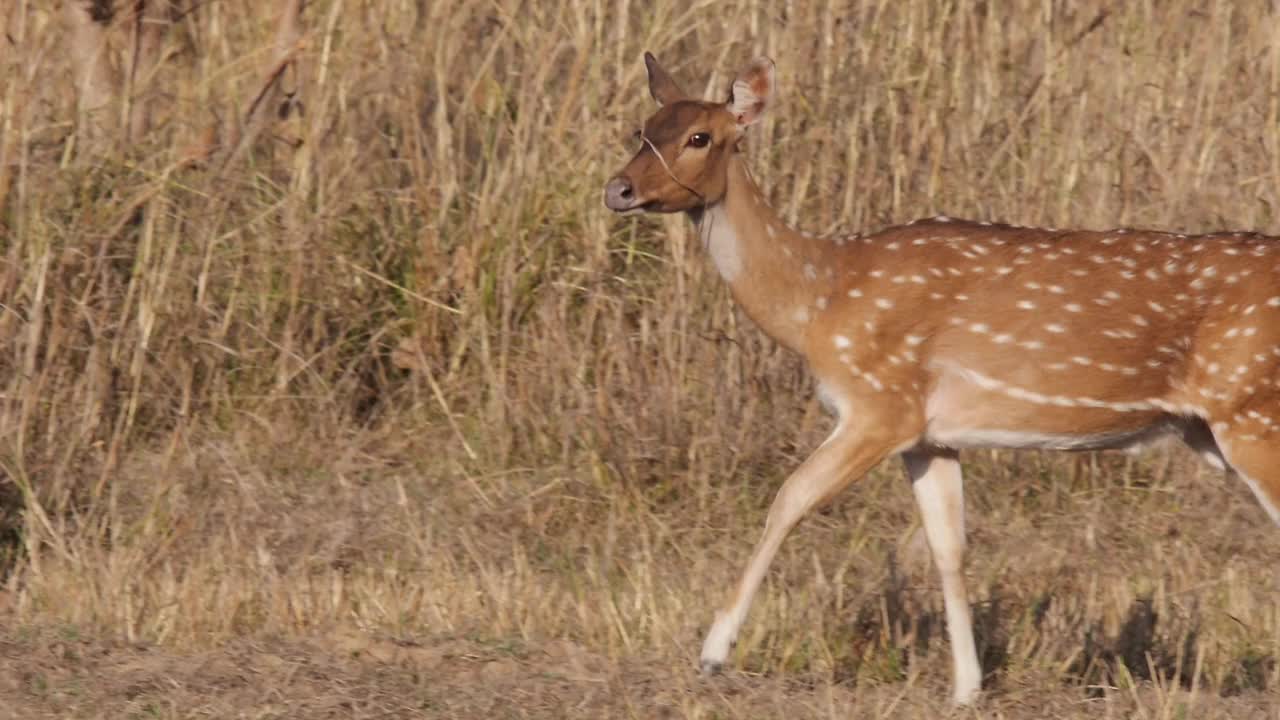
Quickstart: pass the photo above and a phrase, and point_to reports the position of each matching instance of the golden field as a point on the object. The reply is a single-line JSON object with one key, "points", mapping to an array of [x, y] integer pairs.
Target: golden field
{"points": [[384, 415]]}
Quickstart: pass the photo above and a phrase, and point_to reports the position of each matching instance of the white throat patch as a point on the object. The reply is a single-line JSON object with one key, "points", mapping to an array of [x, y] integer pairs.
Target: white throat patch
{"points": [[720, 239]]}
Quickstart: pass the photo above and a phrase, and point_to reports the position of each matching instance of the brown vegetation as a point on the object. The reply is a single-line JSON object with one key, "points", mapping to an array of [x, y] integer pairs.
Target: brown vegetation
{"points": [[383, 413]]}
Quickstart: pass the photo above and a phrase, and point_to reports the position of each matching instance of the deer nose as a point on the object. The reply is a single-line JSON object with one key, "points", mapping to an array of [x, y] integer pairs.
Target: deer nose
{"points": [[618, 194]]}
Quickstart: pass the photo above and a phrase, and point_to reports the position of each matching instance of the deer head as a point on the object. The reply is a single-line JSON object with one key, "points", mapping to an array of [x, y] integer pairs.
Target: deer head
{"points": [[685, 146]]}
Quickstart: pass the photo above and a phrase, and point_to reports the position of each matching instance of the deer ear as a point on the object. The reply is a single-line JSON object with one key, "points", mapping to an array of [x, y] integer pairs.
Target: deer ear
{"points": [[661, 86], [752, 91]]}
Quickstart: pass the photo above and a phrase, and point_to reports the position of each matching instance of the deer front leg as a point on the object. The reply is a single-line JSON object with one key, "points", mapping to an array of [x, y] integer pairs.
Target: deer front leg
{"points": [[939, 489], [845, 456]]}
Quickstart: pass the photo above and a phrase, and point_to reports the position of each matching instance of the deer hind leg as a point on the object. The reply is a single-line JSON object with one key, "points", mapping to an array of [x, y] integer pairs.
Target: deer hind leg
{"points": [[939, 489], [844, 457], [1251, 447]]}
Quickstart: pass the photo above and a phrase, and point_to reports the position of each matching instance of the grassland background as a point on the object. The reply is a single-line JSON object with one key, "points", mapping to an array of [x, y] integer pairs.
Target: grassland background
{"points": [[391, 418]]}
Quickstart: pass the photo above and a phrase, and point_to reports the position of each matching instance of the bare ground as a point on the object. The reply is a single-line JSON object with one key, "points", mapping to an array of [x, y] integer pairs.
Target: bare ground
{"points": [[47, 673]]}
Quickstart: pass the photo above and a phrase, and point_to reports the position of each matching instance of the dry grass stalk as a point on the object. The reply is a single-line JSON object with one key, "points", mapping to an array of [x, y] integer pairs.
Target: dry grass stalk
{"points": [[94, 72], [271, 99], [150, 23]]}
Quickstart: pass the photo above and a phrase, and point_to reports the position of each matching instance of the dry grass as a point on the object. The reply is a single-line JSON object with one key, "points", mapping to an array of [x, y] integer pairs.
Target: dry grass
{"points": [[391, 418]]}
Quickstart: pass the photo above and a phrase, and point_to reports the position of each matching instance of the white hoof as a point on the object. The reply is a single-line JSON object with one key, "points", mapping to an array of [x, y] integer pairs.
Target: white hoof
{"points": [[720, 640]]}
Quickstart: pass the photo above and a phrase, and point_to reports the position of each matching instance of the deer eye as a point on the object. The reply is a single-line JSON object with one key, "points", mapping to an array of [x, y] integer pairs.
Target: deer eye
{"points": [[700, 140]]}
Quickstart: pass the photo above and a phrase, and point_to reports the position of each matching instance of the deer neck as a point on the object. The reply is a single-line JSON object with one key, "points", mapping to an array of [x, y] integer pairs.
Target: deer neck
{"points": [[779, 276]]}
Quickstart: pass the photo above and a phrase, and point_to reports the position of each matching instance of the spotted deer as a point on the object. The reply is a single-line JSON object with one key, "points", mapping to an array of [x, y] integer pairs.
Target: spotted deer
{"points": [[946, 334]]}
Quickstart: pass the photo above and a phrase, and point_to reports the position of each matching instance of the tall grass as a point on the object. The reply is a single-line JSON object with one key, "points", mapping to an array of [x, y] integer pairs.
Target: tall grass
{"points": [[397, 368]]}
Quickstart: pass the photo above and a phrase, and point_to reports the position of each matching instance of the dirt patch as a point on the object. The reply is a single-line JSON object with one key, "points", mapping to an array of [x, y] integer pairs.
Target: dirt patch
{"points": [[46, 673]]}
